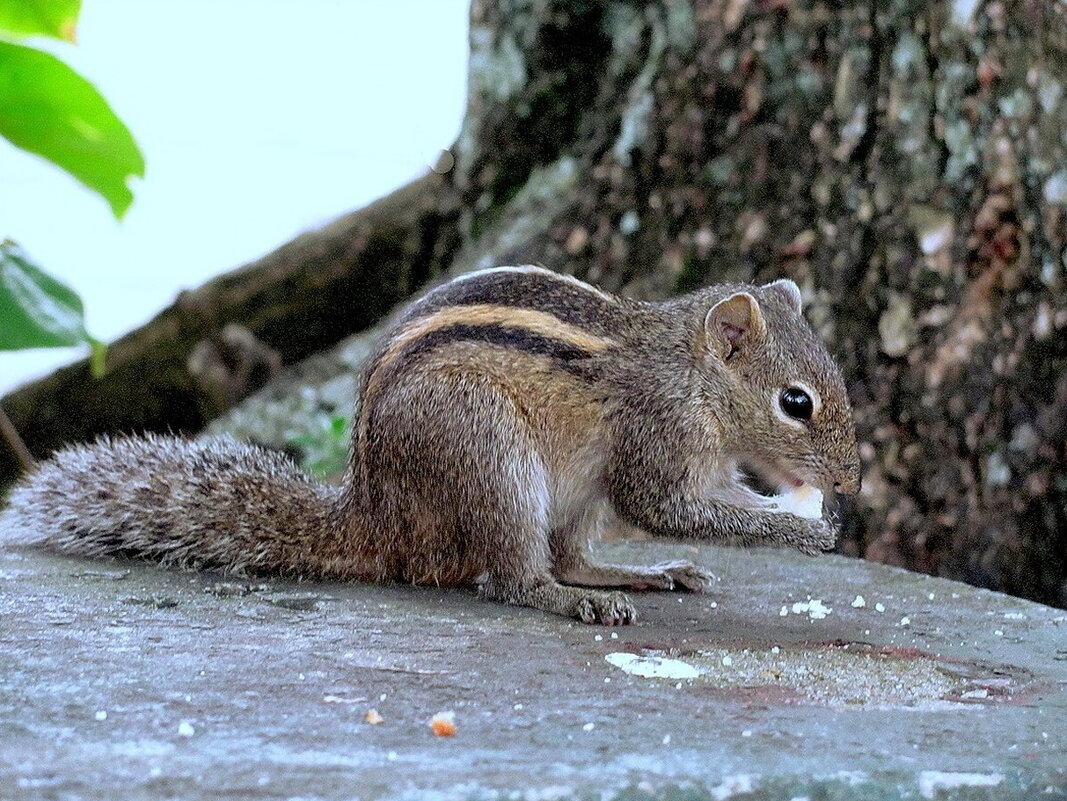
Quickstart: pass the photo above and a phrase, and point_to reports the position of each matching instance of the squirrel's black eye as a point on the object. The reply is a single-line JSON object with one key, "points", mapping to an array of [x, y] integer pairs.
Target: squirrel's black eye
{"points": [[796, 403]]}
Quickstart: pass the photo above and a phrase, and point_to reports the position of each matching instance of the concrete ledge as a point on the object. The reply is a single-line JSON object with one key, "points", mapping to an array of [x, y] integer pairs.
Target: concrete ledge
{"points": [[119, 680]]}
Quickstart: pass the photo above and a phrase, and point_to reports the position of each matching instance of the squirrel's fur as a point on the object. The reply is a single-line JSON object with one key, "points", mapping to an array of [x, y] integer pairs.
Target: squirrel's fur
{"points": [[504, 419]]}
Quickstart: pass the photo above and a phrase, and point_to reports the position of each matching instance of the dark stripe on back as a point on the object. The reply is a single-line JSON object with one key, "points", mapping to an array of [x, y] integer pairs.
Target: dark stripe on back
{"points": [[567, 356]]}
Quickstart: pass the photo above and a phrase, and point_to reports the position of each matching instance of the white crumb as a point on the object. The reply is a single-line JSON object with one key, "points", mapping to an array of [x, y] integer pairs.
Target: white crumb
{"points": [[931, 782], [185, 729], [814, 607], [652, 667], [806, 501], [858, 602]]}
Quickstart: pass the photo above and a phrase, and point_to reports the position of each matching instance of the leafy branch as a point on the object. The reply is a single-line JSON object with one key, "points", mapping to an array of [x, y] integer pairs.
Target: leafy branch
{"points": [[48, 109]]}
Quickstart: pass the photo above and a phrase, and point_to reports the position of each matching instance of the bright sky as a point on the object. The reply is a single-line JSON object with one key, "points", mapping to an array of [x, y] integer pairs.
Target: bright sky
{"points": [[258, 119]]}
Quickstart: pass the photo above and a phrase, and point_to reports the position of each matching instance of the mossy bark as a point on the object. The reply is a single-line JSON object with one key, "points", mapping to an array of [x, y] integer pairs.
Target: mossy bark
{"points": [[903, 161]]}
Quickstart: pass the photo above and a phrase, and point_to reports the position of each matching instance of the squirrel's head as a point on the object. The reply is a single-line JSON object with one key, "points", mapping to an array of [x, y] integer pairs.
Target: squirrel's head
{"points": [[785, 395]]}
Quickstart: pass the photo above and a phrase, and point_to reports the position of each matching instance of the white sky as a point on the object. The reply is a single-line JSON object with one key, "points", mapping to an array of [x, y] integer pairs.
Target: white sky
{"points": [[258, 119]]}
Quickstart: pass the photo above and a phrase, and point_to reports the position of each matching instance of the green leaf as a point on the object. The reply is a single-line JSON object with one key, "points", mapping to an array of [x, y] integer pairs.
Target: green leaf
{"points": [[48, 109], [36, 310], [58, 18], [97, 357]]}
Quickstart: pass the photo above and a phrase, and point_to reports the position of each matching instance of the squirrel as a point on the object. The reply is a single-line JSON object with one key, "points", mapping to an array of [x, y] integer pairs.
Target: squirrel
{"points": [[505, 418]]}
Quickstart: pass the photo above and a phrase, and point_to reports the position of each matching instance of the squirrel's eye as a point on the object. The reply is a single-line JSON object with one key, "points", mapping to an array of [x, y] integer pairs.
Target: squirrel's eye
{"points": [[796, 403]]}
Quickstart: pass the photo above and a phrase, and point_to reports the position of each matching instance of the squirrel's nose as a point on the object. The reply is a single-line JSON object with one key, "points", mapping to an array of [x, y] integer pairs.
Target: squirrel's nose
{"points": [[848, 485]]}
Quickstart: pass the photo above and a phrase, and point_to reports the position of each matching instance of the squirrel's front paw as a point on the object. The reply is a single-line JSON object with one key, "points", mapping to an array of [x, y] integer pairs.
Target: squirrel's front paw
{"points": [[684, 575], [814, 536]]}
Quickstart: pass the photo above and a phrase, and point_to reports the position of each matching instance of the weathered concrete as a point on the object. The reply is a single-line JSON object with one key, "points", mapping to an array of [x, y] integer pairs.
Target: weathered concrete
{"points": [[119, 680]]}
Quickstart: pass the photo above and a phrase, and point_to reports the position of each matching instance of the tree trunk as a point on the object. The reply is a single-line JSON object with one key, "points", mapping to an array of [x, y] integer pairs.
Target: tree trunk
{"points": [[902, 161]]}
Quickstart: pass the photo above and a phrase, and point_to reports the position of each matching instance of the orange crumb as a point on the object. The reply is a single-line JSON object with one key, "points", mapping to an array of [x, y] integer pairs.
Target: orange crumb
{"points": [[443, 724]]}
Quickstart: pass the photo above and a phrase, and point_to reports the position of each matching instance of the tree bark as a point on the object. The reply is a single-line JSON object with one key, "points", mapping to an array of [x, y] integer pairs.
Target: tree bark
{"points": [[902, 161]]}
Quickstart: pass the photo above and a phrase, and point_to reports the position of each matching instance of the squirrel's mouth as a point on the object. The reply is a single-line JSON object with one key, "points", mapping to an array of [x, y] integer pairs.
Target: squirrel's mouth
{"points": [[767, 479]]}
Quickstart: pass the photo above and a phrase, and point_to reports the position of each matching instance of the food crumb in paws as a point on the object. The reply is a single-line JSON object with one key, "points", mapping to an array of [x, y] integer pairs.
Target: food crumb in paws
{"points": [[443, 724], [373, 717], [805, 501]]}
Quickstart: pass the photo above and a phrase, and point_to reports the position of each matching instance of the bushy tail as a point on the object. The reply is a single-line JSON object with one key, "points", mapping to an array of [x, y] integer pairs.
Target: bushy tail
{"points": [[217, 504]]}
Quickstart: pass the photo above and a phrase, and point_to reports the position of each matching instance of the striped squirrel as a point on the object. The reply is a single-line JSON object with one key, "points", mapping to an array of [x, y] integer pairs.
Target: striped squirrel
{"points": [[505, 418]]}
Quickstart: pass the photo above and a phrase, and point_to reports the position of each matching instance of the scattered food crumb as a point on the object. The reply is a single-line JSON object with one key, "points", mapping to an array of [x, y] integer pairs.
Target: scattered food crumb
{"points": [[518, 707], [598, 638], [784, 611], [746, 733], [101, 715], [652, 667], [1014, 616], [776, 650], [392, 756], [932, 782], [185, 729], [588, 727], [879, 607], [614, 635], [666, 739], [983, 693], [905, 621], [815, 608], [858, 602], [998, 632], [443, 724], [373, 717], [727, 660]]}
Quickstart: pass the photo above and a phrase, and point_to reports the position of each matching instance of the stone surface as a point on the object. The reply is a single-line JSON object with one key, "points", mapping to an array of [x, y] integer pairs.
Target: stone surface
{"points": [[119, 680]]}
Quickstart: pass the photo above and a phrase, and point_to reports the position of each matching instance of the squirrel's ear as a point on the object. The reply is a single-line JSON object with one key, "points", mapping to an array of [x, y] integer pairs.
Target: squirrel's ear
{"points": [[787, 290], [733, 324]]}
